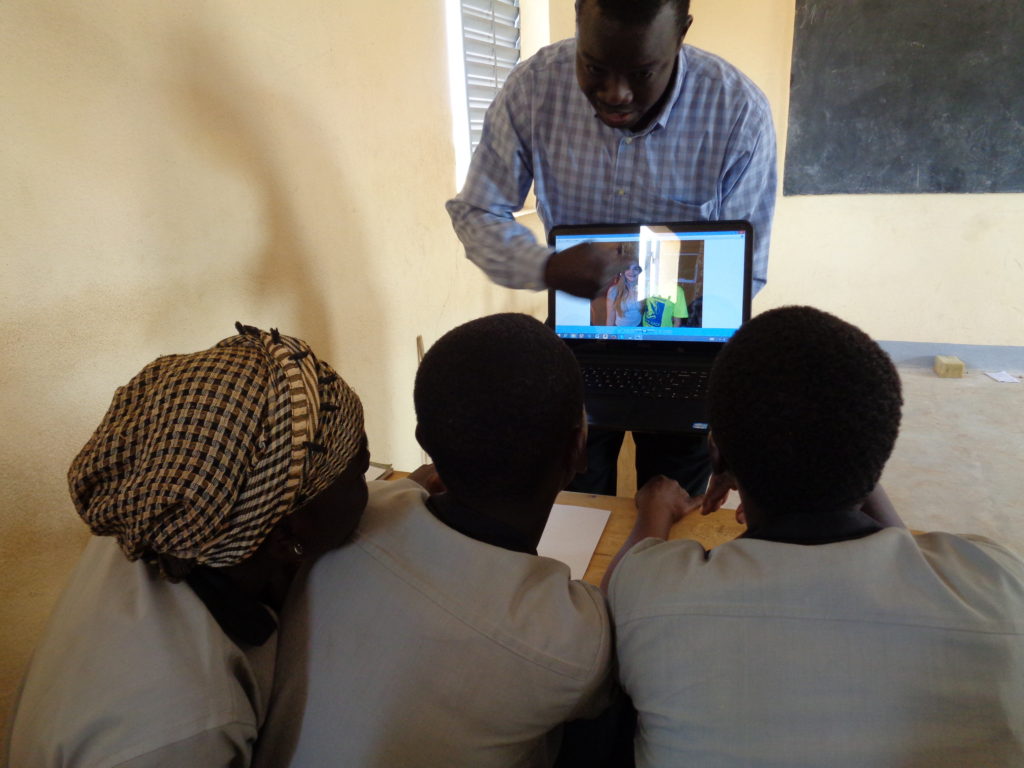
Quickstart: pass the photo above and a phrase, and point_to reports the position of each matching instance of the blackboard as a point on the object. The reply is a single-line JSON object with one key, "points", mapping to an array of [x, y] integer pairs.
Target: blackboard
{"points": [[906, 96]]}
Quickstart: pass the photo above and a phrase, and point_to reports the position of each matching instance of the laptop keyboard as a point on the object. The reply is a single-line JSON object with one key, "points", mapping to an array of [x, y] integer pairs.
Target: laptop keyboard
{"points": [[658, 383]]}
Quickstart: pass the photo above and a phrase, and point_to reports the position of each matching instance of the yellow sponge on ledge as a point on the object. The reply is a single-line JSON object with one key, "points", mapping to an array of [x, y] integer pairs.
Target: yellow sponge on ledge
{"points": [[949, 367]]}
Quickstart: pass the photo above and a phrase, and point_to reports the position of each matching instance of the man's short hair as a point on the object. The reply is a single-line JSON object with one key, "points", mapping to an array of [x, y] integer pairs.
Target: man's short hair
{"points": [[638, 12], [497, 401], [805, 409]]}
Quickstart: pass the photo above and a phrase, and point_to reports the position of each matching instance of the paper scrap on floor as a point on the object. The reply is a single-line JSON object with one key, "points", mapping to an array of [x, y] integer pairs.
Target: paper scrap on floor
{"points": [[571, 536], [1002, 376]]}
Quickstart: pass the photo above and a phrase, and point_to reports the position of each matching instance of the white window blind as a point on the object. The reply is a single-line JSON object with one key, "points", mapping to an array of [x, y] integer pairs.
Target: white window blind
{"points": [[490, 40]]}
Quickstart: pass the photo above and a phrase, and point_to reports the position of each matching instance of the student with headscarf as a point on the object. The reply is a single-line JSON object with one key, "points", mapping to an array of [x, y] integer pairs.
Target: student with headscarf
{"points": [[212, 477]]}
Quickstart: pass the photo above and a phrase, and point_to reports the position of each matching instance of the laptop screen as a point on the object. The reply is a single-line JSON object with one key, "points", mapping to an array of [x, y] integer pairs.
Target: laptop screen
{"points": [[688, 282]]}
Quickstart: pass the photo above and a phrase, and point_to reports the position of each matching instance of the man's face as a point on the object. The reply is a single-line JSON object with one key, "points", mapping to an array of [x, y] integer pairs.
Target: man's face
{"points": [[624, 70]]}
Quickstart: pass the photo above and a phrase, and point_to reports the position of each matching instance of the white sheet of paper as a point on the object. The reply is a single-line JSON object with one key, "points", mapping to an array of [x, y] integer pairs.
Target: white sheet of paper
{"points": [[377, 471], [732, 501], [571, 536], [1002, 376]]}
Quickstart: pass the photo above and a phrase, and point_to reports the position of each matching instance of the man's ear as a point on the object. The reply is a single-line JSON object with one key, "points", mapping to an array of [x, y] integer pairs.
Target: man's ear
{"points": [[686, 28]]}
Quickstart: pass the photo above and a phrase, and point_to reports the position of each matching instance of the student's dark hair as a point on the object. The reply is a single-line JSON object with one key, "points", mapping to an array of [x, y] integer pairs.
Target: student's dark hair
{"points": [[805, 409], [638, 12], [497, 400]]}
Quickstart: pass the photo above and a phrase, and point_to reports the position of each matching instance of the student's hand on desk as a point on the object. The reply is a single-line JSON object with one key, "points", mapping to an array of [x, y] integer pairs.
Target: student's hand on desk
{"points": [[663, 502], [585, 269], [718, 491], [426, 475], [660, 504]]}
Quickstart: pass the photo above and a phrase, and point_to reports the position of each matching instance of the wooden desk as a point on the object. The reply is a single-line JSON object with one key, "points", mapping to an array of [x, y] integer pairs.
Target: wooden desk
{"points": [[710, 531]]}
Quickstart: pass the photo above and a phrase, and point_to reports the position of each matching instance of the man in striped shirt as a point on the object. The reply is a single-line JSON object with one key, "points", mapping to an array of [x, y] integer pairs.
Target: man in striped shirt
{"points": [[621, 124]]}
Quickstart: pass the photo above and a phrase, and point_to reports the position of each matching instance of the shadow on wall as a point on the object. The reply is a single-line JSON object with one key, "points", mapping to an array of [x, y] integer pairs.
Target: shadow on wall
{"points": [[310, 229], [303, 234]]}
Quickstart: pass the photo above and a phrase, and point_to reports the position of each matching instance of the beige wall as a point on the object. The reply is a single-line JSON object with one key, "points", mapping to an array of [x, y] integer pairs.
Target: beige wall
{"points": [[168, 168]]}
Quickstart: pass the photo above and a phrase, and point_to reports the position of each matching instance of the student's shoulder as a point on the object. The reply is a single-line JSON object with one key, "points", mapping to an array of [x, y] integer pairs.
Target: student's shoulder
{"points": [[975, 556], [548, 584], [569, 622], [391, 498], [652, 564]]}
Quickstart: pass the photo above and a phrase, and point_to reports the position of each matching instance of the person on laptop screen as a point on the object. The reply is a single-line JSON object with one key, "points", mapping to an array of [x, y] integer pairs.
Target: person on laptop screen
{"points": [[440, 637], [624, 153], [828, 634], [624, 307]]}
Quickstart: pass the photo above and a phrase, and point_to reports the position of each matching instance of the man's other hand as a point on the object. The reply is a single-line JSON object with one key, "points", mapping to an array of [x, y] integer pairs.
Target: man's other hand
{"points": [[585, 269]]}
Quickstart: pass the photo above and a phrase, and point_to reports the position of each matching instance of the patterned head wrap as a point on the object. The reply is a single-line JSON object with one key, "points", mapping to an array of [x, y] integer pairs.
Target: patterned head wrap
{"points": [[200, 455]]}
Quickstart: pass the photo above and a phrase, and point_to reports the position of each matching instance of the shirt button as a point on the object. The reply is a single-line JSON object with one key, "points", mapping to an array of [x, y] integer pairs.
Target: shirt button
{"points": [[622, 191], [629, 139]]}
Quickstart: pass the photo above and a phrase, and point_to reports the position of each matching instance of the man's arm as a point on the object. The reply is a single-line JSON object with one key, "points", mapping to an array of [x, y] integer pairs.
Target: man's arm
{"points": [[660, 504], [499, 178], [749, 183]]}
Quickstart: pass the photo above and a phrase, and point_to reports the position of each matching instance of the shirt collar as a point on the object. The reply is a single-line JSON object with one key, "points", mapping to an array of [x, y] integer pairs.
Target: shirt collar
{"points": [[675, 86]]}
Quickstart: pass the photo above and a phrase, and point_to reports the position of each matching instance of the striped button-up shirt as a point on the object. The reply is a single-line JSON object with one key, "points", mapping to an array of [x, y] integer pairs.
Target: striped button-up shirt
{"points": [[709, 154]]}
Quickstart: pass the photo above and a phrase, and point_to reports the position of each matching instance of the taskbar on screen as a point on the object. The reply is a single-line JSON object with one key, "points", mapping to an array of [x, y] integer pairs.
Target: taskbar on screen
{"points": [[643, 333]]}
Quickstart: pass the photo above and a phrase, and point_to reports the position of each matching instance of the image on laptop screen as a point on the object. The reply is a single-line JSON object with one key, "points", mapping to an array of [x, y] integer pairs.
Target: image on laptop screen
{"points": [[685, 284]]}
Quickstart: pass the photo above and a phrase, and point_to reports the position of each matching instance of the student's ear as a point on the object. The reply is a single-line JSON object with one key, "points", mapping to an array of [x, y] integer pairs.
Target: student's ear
{"points": [[419, 439], [718, 464], [722, 481], [576, 453], [579, 449], [282, 544]]}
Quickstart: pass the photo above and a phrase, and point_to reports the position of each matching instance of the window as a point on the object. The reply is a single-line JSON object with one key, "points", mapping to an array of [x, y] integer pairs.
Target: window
{"points": [[490, 39], [483, 46]]}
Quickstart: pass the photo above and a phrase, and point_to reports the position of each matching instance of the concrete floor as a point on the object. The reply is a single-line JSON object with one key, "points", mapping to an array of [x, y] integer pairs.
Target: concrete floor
{"points": [[958, 465]]}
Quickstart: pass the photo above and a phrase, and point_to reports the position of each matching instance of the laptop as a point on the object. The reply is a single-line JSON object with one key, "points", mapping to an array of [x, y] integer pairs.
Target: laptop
{"points": [[647, 343]]}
